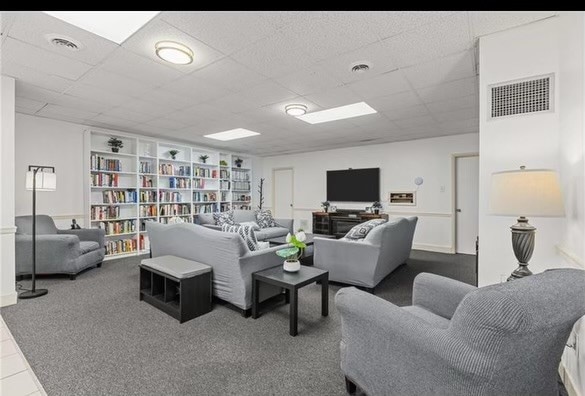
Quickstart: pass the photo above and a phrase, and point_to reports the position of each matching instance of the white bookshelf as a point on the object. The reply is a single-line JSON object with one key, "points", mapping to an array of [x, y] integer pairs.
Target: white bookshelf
{"points": [[142, 182]]}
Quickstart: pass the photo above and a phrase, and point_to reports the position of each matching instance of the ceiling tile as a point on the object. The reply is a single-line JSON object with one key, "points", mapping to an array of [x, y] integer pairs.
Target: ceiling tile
{"points": [[129, 64], [442, 70], [128, 115], [43, 60], [454, 104], [457, 115], [390, 23], [6, 20], [229, 74], [407, 112], [395, 101], [463, 126], [33, 26], [415, 122], [450, 90], [484, 22], [170, 99], [24, 110], [97, 94], [435, 40], [29, 91], [112, 121], [146, 107], [29, 104], [69, 112], [35, 77], [113, 82], [225, 31], [166, 124], [339, 96], [265, 93], [383, 85], [143, 43], [310, 80], [196, 89]]}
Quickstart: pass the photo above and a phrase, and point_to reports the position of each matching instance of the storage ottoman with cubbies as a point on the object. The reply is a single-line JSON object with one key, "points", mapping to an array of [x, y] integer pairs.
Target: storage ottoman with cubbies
{"points": [[179, 287]]}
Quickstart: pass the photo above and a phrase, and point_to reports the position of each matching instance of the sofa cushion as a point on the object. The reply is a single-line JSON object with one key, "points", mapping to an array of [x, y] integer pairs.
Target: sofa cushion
{"points": [[243, 216], [252, 224], [361, 230], [222, 218], [271, 232], [88, 246], [246, 232], [205, 218], [264, 218]]}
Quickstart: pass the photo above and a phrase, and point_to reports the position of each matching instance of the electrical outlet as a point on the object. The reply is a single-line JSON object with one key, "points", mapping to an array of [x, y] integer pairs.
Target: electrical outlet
{"points": [[442, 189]]}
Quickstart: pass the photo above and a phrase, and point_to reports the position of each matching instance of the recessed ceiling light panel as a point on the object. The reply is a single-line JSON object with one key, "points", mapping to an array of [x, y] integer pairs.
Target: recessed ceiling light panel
{"points": [[116, 26], [295, 109], [338, 113], [173, 52], [232, 134]]}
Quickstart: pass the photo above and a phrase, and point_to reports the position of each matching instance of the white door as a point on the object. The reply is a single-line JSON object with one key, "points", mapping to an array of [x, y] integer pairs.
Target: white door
{"points": [[283, 193], [466, 203]]}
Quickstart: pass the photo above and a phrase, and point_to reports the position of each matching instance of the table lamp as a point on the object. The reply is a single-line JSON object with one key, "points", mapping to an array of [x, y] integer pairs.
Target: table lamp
{"points": [[37, 180], [525, 192]]}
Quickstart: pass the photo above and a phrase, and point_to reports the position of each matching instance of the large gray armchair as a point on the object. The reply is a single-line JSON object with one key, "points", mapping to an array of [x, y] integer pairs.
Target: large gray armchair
{"points": [[365, 263], [58, 251], [503, 339]]}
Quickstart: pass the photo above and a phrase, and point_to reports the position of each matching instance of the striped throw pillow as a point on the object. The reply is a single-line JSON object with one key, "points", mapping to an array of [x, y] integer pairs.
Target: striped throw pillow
{"points": [[246, 232]]}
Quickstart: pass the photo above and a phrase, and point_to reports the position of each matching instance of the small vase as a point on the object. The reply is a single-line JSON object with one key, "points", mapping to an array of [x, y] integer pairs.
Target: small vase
{"points": [[376, 211], [292, 266], [115, 149], [239, 165]]}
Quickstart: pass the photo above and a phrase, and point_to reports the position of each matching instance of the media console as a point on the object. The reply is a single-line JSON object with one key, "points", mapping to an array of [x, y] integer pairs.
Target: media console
{"points": [[340, 222]]}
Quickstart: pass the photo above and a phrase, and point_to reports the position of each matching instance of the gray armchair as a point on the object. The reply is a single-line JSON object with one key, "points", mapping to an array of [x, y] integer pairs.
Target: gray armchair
{"points": [[58, 251], [503, 339], [365, 263]]}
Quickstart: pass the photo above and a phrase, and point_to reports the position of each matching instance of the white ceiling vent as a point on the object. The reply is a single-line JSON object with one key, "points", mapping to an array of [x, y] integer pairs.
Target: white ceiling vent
{"points": [[64, 42], [528, 95]]}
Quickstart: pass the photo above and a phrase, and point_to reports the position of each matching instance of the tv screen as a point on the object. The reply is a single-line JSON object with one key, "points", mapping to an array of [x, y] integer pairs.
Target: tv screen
{"points": [[353, 185]]}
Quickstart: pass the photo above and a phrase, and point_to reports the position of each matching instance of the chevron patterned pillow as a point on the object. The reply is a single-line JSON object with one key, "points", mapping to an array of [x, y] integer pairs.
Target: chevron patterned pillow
{"points": [[246, 232], [361, 230]]}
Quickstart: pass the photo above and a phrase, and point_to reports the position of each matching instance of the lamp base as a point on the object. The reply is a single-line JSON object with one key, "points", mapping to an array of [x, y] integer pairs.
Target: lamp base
{"points": [[519, 272], [523, 245], [32, 293]]}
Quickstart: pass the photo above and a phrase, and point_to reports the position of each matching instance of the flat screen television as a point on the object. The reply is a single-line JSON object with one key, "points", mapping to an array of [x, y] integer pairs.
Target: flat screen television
{"points": [[353, 185]]}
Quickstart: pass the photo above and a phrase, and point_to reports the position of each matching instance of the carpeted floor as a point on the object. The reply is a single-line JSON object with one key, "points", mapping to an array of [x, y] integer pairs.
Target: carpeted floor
{"points": [[92, 336]]}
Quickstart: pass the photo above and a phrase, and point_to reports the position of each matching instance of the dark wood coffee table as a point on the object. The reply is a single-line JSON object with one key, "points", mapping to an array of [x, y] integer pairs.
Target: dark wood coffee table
{"points": [[307, 254], [291, 282]]}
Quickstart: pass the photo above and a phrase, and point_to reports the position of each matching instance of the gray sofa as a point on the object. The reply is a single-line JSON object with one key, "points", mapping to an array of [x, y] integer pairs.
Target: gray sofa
{"points": [[232, 262], [58, 251], [284, 225], [366, 262], [503, 339]]}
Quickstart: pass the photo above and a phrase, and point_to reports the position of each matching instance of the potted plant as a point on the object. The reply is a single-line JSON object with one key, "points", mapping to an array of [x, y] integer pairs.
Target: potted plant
{"points": [[238, 161], [223, 163], [203, 158], [173, 153], [325, 205], [293, 253], [116, 144], [376, 206]]}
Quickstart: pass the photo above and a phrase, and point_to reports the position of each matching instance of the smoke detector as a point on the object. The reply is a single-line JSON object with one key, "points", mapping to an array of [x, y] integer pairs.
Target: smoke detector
{"points": [[64, 42], [360, 67]]}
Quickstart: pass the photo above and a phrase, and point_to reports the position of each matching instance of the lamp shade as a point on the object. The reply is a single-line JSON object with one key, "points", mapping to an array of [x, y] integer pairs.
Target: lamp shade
{"points": [[45, 181], [526, 192]]}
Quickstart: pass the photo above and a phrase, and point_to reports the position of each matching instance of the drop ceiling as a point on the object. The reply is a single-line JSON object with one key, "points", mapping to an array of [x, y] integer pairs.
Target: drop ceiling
{"points": [[249, 65]]}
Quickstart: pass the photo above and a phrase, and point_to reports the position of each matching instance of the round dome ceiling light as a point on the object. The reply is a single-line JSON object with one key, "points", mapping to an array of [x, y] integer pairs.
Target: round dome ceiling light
{"points": [[295, 109], [173, 52], [360, 67]]}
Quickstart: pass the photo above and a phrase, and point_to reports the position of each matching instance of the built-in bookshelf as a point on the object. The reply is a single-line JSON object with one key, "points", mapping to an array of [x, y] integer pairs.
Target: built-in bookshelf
{"points": [[143, 182]]}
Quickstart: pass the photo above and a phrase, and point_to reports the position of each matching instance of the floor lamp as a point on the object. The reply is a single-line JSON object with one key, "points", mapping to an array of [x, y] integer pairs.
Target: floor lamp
{"points": [[525, 192], [38, 178]]}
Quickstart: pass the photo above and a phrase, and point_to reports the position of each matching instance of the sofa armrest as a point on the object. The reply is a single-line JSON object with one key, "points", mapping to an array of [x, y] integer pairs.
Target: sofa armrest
{"points": [[87, 234], [336, 250], [212, 227], [50, 248], [286, 223], [439, 294]]}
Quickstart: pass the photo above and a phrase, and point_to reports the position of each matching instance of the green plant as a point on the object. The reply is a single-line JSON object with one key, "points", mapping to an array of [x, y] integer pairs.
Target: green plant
{"points": [[223, 163], [238, 161], [115, 143], [325, 204], [203, 158], [298, 244], [173, 153], [377, 205]]}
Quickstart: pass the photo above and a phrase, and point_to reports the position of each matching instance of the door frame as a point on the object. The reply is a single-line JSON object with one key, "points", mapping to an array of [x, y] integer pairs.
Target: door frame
{"points": [[292, 170], [454, 195]]}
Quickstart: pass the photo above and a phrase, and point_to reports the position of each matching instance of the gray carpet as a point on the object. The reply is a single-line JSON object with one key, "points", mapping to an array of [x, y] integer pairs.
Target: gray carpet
{"points": [[92, 336]]}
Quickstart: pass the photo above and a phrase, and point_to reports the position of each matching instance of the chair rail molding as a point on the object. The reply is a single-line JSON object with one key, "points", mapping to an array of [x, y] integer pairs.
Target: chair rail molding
{"points": [[8, 230]]}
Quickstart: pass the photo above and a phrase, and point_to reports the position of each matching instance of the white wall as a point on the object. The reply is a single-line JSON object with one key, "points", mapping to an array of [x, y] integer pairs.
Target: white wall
{"points": [[399, 164], [7, 228]]}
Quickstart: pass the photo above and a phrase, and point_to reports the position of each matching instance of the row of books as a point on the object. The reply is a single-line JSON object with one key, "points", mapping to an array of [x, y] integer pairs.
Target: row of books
{"points": [[167, 220], [224, 207], [171, 169], [146, 167], [205, 172], [205, 208], [204, 197], [201, 183], [147, 210], [179, 182], [224, 185], [143, 223], [224, 195], [174, 209], [241, 197], [241, 185], [121, 246], [112, 197], [97, 162], [224, 174], [241, 175], [104, 180], [242, 207], [146, 181], [148, 196], [105, 212], [118, 227], [170, 196]]}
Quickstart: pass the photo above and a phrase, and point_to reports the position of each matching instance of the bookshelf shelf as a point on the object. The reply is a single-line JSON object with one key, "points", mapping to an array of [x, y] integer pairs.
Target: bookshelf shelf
{"points": [[205, 187]]}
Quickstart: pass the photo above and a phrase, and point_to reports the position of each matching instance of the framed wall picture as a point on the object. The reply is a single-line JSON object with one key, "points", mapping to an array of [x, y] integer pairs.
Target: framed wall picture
{"points": [[402, 198]]}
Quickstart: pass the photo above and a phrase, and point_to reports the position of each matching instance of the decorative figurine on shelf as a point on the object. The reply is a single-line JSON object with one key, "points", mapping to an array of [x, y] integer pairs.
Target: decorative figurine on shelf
{"points": [[74, 225], [292, 254], [261, 192], [116, 144], [203, 158], [173, 153], [325, 205], [376, 206], [223, 163], [238, 161]]}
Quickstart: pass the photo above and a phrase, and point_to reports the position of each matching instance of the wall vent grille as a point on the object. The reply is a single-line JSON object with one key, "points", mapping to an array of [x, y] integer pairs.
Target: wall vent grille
{"points": [[529, 95]]}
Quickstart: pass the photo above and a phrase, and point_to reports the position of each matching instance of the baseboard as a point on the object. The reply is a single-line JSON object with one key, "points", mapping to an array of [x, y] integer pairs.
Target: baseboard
{"points": [[8, 299], [568, 381], [433, 248]]}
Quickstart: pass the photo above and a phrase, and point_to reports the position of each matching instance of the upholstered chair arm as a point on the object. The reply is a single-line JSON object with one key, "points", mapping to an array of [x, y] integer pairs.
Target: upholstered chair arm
{"points": [[87, 234], [439, 294], [285, 223], [52, 251]]}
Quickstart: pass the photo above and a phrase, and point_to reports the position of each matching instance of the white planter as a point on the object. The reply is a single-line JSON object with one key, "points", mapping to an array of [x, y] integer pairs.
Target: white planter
{"points": [[292, 266]]}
